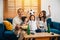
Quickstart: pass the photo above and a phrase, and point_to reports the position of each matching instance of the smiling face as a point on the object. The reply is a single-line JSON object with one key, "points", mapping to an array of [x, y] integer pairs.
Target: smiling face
{"points": [[32, 17], [20, 12], [41, 14], [26, 21]]}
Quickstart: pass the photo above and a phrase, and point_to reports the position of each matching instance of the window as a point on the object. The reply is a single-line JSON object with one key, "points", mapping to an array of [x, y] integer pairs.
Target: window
{"points": [[13, 5]]}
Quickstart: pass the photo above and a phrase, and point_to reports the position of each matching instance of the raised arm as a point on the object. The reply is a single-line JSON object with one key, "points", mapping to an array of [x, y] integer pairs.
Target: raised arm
{"points": [[49, 11]]}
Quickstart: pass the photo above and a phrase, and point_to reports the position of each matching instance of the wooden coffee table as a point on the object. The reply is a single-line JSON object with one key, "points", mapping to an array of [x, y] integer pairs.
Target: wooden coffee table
{"points": [[41, 36]]}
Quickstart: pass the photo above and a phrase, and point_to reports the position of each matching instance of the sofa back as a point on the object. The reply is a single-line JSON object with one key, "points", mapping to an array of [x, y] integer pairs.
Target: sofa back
{"points": [[9, 19], [49, 21], [56, 25]]}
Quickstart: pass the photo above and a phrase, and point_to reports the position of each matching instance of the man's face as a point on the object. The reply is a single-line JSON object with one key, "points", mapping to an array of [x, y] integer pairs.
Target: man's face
{"points": [[21, 13]]}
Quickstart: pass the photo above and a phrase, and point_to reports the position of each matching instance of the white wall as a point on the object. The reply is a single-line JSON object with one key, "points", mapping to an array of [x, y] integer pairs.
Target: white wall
{"points": [[55, 8], [1, 10]]}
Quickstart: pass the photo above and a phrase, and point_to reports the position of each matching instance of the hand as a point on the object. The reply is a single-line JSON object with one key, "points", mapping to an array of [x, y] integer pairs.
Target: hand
{"points": [[17, 27], [49, 7], [49, 11]]}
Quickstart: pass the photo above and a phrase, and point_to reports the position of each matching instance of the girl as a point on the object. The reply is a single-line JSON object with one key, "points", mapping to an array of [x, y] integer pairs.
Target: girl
{"points": [[33, 24], [42, 19]]}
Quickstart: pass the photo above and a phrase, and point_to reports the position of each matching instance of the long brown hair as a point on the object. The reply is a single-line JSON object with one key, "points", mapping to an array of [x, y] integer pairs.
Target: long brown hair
{"points": [[44, 15]]}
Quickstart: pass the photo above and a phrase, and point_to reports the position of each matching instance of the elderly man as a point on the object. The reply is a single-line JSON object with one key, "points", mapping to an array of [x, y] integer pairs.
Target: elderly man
{"points": [[16, 23]]}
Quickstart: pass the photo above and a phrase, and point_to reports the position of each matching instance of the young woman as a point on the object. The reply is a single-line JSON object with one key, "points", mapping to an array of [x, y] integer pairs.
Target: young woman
{"points": [[42, 19]]}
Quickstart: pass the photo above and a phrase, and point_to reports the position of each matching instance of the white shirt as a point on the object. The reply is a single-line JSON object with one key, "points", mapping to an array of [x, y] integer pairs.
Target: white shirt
{"points": [[41, 23], [33, 25], [16, 21]]}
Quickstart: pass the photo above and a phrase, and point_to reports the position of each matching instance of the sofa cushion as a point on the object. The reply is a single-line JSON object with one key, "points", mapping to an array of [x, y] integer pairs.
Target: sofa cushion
{"points": [[8, 25], [55, 30], [6, 33], [56, 25], [9, 35]]}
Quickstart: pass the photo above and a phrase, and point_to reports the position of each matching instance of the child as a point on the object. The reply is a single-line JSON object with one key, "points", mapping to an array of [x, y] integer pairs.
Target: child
{"points": [[17, 30], [24, 24], [33, 24]]}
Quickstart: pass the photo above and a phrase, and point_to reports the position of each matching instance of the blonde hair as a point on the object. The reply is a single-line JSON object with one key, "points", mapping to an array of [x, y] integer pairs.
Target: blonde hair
{"points": [[19, 9]]}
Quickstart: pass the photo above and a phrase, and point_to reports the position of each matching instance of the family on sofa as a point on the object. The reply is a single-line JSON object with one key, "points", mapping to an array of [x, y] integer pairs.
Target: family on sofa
{"points": [[10, 28], [35, 23]]}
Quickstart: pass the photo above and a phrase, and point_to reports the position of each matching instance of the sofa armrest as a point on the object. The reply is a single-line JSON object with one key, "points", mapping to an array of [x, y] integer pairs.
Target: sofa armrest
{"points": [[56, 25], [1, 30], [49, 21]]}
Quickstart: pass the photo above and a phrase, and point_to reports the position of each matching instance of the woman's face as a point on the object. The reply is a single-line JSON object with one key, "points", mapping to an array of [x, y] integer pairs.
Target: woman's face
{"points": [[41, 14], [32, 18]]}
